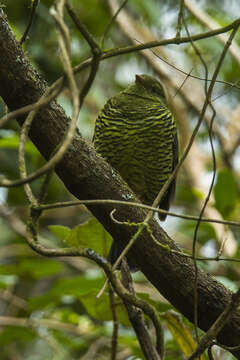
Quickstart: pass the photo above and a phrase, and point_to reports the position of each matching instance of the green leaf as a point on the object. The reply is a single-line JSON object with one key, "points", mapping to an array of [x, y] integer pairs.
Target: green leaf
{"points": [[159, 305], [129, 340], [205, 231], [74, 286], [71, 341], [33, 268], [13, 143], [90, 234], [16, 334], [85, 290], [181, 334], [188, 195], [62, 232], [225, 192], [100, 309]]}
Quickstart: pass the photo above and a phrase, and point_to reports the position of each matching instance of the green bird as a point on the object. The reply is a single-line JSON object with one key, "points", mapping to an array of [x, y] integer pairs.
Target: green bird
{"points": [[136, 133]]}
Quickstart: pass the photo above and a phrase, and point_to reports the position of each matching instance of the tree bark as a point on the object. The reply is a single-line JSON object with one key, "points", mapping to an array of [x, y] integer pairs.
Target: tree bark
{"points": [[88, 176]]}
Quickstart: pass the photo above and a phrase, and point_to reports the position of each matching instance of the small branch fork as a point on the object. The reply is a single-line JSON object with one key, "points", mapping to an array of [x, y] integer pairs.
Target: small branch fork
{"points": [[137, 320], [123, 293]]}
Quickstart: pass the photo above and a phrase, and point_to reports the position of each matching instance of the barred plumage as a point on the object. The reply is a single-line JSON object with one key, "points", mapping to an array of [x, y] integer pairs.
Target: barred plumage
{"points": [[136, 133]]}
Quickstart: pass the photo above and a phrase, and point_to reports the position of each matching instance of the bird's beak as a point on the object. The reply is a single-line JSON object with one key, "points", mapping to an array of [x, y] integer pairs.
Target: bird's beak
{"points": [[139, 79]]}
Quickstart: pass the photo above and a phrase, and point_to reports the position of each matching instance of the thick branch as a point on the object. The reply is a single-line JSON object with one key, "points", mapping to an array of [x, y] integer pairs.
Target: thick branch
{"points": [[87, 176]]}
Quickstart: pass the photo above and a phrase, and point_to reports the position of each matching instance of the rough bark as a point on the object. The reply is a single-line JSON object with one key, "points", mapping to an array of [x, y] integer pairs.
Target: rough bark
{"points": [[87, 176]]}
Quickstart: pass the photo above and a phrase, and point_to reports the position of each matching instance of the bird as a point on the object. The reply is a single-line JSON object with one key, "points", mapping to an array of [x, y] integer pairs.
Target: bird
{"points": [[136, 133]]}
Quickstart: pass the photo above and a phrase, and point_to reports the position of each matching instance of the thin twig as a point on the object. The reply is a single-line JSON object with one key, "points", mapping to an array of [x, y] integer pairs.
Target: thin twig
{"points": [[137, 320], [135, 204], [33, 323], [33, 10], [198, 53], [35, 107], [217, 326], [114, 341], [113, 19], [44, 187], [96, 52], [129, 49], [211, 24], [190, 75], [51, 93], [180, 17], [8, 296]]}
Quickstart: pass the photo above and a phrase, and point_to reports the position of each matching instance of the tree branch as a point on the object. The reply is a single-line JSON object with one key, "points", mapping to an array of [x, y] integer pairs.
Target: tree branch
{"points": [[87, 176]]}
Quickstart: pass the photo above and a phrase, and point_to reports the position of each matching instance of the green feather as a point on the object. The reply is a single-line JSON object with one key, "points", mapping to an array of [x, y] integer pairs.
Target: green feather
{"points": [[136, 133]]}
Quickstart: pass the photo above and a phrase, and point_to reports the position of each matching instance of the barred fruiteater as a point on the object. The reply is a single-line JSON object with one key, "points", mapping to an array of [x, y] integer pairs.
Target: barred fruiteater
{"points": [[136, 133]]}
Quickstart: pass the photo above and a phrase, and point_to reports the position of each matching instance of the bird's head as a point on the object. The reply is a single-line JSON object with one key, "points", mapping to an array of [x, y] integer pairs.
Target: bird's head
{"points": [[146, 86], [150, 85]]}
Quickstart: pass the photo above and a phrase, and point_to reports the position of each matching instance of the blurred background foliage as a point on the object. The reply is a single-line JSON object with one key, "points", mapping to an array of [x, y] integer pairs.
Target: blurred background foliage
{"points": [[48, 308]]}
